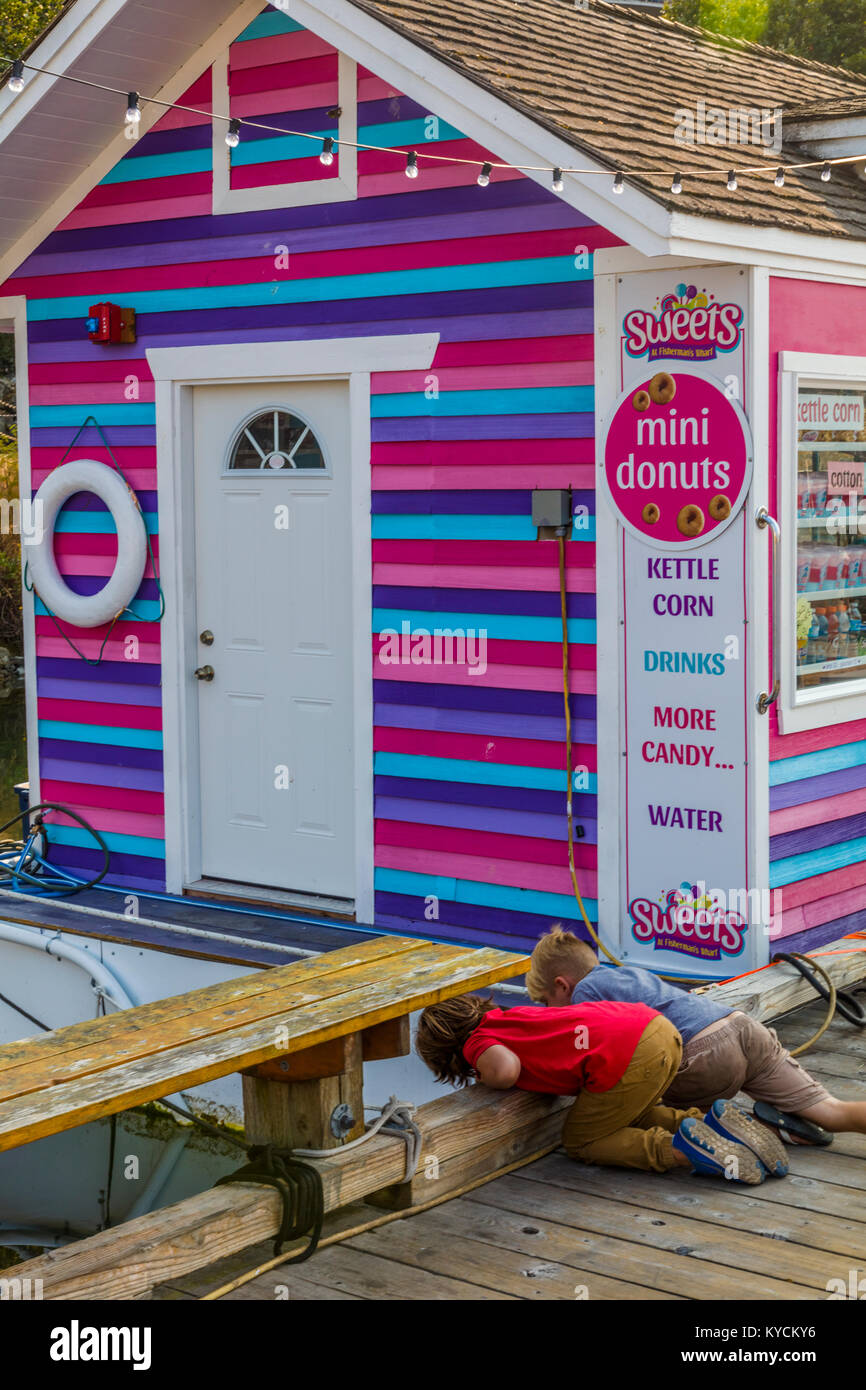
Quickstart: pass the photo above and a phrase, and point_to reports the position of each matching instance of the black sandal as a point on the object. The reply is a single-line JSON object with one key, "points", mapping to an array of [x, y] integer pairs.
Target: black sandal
{"points": [[792, 1125]]}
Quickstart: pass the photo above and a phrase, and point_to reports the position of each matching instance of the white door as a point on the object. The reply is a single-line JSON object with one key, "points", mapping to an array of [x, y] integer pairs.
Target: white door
{"points": [[273, 586]]}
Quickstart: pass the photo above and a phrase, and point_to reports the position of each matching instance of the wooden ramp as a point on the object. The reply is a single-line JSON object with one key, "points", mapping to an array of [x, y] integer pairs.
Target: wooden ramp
{"points": [[558, 1230]]}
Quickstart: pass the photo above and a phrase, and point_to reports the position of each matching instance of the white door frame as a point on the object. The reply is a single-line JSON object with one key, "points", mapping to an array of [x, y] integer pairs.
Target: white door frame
{"points": [[176, 371]]}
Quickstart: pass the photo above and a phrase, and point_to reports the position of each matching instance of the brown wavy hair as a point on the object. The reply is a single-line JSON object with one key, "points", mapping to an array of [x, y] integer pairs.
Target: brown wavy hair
{"points": [[443, 1030]]}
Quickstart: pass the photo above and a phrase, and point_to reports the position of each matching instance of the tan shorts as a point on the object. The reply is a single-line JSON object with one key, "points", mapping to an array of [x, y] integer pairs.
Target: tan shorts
{"points": [[742, 1055]]}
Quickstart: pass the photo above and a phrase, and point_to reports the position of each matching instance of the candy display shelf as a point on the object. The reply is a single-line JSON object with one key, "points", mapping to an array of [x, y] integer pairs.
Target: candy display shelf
{"points": [[823, 595], [845, 663]]}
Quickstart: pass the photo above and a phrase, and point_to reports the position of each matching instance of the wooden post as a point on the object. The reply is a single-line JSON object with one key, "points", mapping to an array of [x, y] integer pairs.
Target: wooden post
{"points": [[289, 1102]]}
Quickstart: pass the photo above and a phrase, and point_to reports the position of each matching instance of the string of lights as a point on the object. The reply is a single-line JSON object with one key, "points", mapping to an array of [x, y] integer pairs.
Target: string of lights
{"points": [[330, 145]]}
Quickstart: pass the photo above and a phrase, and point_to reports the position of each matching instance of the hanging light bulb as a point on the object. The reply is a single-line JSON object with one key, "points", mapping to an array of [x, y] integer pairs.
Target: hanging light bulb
{"points": [[132, 119], [825, 173], [558, 184], [16, 80], [412, 165], [677, 185], [779, 180], [732, 182], [327, 155], [233, 134], [484, 176], [618, 183]]}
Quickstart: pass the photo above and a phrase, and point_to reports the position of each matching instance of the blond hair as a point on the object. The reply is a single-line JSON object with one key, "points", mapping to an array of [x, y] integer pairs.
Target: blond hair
{"points": [[558, 952]]}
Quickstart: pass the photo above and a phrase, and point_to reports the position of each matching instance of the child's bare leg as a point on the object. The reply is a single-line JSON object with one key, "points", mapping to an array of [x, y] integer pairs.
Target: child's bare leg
{"points": [[838, 1116]]}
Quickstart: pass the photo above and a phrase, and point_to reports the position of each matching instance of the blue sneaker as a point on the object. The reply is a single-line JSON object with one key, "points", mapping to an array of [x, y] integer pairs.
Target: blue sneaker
{"points": [[708, 1152], [732, 1122]]}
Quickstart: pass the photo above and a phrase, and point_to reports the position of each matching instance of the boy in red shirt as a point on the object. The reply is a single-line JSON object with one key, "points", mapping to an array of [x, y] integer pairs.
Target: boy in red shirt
{"points": [[617, 1059]]}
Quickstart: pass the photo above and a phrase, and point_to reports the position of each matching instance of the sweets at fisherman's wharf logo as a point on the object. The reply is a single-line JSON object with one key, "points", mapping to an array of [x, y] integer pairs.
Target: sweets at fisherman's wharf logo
{"points": [[687, 323], [691, 921]]}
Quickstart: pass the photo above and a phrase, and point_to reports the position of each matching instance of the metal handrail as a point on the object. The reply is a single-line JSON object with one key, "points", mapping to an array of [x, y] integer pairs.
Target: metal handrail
{"points": [[764, 700]]}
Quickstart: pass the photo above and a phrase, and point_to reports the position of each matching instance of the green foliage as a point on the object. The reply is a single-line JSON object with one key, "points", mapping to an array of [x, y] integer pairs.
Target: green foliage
{"points": [[22, 21], [827, 31], [10, 553]]}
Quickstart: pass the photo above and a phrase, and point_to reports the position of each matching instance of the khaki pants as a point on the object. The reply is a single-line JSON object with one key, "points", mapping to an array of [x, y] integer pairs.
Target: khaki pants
{"points": [[740, 1054], [625, 1126]]}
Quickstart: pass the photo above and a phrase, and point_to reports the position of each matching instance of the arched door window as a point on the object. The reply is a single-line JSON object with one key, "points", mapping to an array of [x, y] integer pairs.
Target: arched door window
{"points": [[276, 439]]}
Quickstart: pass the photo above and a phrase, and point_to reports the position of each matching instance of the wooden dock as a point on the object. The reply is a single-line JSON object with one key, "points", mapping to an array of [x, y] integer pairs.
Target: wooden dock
{"points": [[558, 1230]]}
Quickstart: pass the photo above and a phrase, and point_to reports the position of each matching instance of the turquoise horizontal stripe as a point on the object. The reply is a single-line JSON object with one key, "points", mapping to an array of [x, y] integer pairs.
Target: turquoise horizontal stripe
{"points": [[146, 609], [99, 733], [475, 773], [461, 528], [121, 844], [549, 400], [482, 894], [548, 270], [282, 147], [817, 861], [97, 523], [160, 166], [515, 628], [135, 413], [814, 764], [269, 23]]}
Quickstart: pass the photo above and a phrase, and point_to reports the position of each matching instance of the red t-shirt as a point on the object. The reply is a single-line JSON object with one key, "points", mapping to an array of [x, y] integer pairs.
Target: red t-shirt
{"points": [[563, 1051]]}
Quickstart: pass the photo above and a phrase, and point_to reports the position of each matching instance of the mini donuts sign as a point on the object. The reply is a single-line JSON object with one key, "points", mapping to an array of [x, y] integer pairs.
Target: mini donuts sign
{"points": [[677, 459]]}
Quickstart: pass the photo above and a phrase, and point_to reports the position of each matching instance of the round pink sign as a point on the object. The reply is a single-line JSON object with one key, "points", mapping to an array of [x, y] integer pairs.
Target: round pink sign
{"points": [[677, 459]]}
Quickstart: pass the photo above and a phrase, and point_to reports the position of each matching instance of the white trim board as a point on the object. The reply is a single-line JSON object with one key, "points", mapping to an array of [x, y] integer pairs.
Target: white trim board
{"points": [[176, 371], [13, 314]]}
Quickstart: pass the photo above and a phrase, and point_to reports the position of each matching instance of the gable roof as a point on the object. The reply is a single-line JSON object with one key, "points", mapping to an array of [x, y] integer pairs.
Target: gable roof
{"points": [[609, 80]]}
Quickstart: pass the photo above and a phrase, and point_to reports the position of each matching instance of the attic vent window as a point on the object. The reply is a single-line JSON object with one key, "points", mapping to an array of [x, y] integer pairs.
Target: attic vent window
{"points": [[275, 440]]}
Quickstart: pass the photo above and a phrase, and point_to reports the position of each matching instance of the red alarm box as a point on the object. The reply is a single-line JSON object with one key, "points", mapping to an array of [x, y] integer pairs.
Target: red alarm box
{"points": [[108, 323]]}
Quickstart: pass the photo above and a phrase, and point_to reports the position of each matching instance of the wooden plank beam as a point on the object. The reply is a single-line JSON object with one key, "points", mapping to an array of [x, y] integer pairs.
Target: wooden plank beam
{"points": [[127, 1261], [780, 988]]}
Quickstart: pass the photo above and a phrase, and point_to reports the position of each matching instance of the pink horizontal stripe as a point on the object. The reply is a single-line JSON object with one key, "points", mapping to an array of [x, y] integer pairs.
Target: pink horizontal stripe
{"points": [[433, 479], [574, 347], [542, 654], [824, 909], [51, 456], [122, 629], [496, 677], [815, 740], [84, 544], [199, 95], [80, 796], [807, 890], [277, 48], [118, 822], [140, 479], [154, 211], [473, 577], [89, 393], [284, 171], [94, 566], [482, 553], [442, 176], [544, 877], [285, 75], [829, 808], [473, 453], [105, 195], [283, 99], [447, 839], [148, 652], [93, 712], [515, 752], [109, 369], [496, 377], [373, 88]]}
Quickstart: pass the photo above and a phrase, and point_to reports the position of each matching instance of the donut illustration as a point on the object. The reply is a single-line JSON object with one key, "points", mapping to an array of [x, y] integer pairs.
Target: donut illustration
{"points": [[662, 388], [719, 507], [690, 521], [651, 513], [641, 400]]}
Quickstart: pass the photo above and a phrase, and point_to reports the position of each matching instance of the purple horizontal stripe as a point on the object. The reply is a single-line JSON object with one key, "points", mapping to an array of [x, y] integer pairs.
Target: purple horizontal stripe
{"points": [[519, 193], [190, 137], [460, 936], [474, 328], [487, 222], [72, 669], [508, 601], [492, 819], [89, 502], [848, 779], [444, 502], [87, 861], [66, 770], [835, 832], [110, 754], [819, 936], [571, 295], [489, 698], [578, 426], [470, 794], [52, 689], [84, 584], [140, 436], [481, 919], [482, 722]]}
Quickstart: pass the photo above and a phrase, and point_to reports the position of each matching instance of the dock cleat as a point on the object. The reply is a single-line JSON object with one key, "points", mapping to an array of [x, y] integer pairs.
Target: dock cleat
{"points": [[731, 1122], [710, 1152]]}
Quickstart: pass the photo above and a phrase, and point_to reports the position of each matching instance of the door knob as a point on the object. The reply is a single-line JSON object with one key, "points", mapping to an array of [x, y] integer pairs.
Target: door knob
{"points": [[204, 673]]}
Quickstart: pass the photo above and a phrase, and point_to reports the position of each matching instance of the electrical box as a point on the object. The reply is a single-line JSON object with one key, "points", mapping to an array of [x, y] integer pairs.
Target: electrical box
{"points": [[108, 323], [551, 507]]}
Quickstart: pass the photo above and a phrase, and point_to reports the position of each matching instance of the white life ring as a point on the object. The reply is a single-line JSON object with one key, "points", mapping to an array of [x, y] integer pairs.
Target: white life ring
{"points": [[88, 610]]}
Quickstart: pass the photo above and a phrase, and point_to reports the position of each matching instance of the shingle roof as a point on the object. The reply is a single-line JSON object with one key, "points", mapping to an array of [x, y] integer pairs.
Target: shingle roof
{"points": [[609, 80]]}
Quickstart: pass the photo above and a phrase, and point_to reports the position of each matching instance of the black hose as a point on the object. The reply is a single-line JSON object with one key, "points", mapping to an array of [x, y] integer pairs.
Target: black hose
{"points": [[846, 1005]]}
